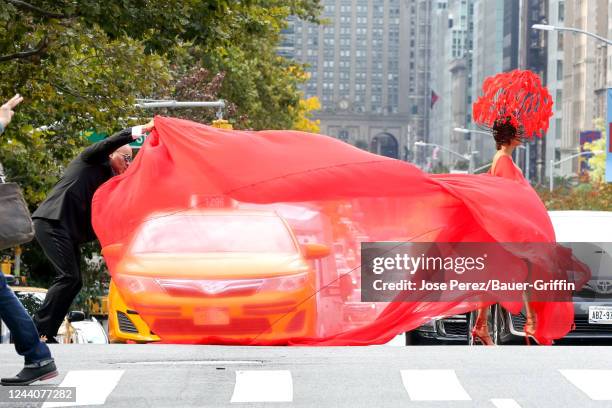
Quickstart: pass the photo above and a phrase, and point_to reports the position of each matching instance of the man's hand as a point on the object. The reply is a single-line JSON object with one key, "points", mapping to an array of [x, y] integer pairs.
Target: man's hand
{"points": [[6, 110], [138, 131], [149, 126]]}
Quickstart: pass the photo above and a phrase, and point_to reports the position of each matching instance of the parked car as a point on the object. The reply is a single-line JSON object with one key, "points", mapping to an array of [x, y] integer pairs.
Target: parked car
{"points": [[76, 328], [589, 235], [213, 275]]}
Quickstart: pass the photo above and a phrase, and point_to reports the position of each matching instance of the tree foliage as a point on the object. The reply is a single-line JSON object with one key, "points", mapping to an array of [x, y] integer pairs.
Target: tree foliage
{"points": [[585, 196], [81, 64], [305, 120]]}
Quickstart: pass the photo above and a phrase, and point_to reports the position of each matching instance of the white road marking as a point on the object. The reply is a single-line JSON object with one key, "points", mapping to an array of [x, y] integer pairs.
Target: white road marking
{"points": [[92, 387], [397, 341], [594, 383], [505, 403], [433, 385], [263, 386], [197, 362]]}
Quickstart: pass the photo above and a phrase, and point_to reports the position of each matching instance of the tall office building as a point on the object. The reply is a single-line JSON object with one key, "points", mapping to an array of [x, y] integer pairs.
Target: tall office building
{"points": [[451, 76], [286, 48], [584, 63], [369, 66], [521, 48], [511, 17], [487, 58], [554, 79], [533, 55], [440, 120]]}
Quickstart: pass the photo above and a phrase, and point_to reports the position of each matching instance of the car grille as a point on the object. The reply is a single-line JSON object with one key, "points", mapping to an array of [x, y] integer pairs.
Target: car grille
{"points": [[265, 309], [456, 328], [518, 321], [125, 324], [582, 325]]}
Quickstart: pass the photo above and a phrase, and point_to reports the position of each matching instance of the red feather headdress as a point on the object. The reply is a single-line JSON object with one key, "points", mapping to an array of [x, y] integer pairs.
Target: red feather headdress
{"points": [[517, 96]]}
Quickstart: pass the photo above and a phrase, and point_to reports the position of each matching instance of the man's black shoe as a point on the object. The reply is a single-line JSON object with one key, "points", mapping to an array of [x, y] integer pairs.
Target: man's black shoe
{"points": [[32, 373]]}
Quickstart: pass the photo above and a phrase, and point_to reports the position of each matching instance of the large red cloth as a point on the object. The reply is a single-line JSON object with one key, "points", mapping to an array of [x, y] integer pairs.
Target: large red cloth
{"points": [[391, 200]]}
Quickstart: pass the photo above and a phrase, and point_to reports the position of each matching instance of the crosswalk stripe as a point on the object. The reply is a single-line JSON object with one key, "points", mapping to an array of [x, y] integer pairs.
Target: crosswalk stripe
{"points": [[433, 385], [263, 386], [397, 341], [92, 386], [505, 403], [594, 383]]}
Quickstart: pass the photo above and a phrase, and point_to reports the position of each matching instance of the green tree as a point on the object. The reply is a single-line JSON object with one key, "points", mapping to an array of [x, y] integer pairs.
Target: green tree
{"points": [[80, 65], [305, 120]]}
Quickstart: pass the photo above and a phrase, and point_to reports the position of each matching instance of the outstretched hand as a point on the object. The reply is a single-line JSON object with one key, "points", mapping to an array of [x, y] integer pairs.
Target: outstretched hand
{"points": [[6, 110], [149, 126]]}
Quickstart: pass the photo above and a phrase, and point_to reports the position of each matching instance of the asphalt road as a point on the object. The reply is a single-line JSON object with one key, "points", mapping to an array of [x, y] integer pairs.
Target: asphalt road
{"points": [[378, 376]]}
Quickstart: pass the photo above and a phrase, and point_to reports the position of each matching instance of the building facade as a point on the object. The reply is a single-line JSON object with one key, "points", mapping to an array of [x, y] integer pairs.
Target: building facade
{"points": [[369, 66], [452, 37], [554, 80], [487, 58], [440, 119], [584, 63], [533, 56]]}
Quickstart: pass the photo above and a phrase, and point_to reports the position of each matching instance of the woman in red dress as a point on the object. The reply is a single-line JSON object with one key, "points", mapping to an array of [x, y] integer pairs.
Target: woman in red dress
{"points": [[514, 106], [507, 138]]}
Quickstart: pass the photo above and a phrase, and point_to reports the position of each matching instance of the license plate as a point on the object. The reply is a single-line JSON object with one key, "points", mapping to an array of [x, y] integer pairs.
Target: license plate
{"points": [[600, 314], [211, 316]]}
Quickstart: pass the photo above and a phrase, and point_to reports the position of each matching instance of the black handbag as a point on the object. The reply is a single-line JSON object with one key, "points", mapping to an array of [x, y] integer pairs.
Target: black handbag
{"points": [[16, 225]]}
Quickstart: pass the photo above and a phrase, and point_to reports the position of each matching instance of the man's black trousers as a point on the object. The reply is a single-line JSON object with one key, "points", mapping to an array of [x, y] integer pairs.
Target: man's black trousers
{"points": [[65, 256]]}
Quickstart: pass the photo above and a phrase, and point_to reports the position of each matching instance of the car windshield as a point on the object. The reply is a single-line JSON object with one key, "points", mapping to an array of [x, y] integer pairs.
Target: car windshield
{"points": [[214, 233]]}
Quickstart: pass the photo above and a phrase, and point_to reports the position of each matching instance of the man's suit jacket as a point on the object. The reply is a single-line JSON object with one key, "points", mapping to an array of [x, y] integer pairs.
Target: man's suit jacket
{"points": [[69, 202]]}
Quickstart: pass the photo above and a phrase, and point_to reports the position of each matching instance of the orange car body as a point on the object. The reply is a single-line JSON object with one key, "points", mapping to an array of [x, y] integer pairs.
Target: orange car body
{"points": [[218, 276]]}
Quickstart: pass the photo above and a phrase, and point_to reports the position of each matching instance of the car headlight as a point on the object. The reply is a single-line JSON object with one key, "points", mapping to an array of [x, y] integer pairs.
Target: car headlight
{"points": [[287, 283]]}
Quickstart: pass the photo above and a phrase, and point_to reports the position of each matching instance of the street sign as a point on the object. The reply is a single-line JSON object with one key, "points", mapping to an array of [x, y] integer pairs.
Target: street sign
{"points": [[137, 144]]}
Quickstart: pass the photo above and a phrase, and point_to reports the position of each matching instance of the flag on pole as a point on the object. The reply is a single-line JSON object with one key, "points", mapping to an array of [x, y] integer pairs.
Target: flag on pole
{"points": [[434, 98]]}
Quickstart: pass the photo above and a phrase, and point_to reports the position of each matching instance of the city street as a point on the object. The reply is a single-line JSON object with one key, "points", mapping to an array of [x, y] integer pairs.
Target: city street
{"points": [[376, 376], [179, 176]]}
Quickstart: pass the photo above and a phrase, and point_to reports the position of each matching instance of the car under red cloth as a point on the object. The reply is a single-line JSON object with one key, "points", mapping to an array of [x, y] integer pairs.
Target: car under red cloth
{"points": [[356, 197]]}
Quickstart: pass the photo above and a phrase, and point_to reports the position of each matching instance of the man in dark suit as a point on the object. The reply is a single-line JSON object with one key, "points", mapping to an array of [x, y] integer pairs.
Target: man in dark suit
{"points": [[63, 221]]}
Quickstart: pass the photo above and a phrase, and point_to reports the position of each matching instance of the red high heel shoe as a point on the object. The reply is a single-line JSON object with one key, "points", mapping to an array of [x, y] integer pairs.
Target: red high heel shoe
{"points": [[481, 332], [529, 329]]}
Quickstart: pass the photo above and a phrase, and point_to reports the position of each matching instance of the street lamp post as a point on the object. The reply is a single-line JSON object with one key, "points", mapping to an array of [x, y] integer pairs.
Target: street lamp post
{"points": [[153, 104], [546, 27], [421, 143], [554, 163]]}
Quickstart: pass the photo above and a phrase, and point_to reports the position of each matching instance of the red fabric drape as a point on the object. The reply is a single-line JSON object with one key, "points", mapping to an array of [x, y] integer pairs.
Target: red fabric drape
{"points": [[388, 200]]}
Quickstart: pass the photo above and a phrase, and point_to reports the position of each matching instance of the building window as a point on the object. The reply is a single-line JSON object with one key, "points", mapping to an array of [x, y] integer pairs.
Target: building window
{"points": [[559, 70]]}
